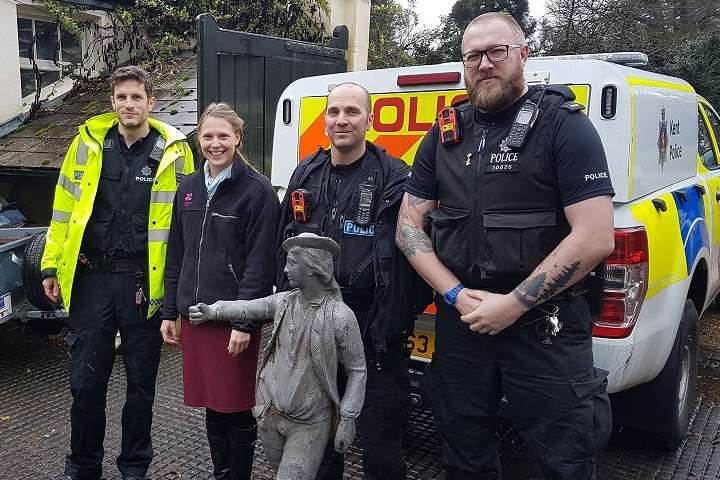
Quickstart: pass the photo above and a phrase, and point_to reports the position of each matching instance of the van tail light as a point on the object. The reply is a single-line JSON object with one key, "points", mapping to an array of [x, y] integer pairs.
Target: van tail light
{"points": [[626, 281]]}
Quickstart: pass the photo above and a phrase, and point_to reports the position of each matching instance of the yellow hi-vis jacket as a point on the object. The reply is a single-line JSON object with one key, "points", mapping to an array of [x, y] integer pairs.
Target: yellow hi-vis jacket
{"points": [[75, 194]]}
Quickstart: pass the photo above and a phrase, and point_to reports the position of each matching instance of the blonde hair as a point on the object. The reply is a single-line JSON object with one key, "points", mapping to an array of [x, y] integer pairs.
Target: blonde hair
{"points": [[223, 111], [503, 16]]}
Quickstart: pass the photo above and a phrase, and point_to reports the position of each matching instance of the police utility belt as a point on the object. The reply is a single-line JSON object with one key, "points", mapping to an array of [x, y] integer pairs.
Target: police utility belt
{"points": [[113, 265]]}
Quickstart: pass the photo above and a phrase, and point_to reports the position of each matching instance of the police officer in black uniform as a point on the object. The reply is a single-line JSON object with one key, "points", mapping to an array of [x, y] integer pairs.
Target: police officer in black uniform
{"points": [[352, 194], [517, 224]]}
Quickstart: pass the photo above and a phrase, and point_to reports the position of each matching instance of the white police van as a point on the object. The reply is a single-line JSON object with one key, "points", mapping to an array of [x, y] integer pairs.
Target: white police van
{"points": [[661, 141]]}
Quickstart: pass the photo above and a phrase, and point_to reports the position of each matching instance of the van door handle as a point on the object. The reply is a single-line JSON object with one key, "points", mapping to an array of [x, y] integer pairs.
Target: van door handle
{"points": [[700, 189], [660, 204], [717, 195]]}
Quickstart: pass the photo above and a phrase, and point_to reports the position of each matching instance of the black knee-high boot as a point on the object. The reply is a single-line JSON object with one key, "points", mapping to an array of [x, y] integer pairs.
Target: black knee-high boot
{"points": [[218, 433], [243, 433]]}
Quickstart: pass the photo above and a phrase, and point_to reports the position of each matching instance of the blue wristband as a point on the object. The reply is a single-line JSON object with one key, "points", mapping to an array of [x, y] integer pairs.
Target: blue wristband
{"points": [[451, 295]]}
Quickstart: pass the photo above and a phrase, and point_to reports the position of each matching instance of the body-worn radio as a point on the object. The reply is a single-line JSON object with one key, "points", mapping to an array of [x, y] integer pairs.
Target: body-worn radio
{"points": [[363, 214], [301, 201], [449, 124], [524, 121]]}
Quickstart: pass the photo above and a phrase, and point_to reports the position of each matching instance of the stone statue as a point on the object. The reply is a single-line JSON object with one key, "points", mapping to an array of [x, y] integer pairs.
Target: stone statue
{"points": [[298, 406]]}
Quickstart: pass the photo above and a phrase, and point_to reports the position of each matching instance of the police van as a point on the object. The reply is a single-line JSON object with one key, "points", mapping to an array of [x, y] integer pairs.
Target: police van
{"points": [[662, 144]]}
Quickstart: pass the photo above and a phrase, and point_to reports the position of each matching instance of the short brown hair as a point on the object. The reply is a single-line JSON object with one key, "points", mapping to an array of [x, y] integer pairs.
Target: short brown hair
{"points": [[223, 111], [132, 72], [503, 16]]}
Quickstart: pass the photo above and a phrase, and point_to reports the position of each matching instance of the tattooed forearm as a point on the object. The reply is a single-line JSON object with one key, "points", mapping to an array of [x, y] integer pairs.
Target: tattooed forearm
{"points": [[532, 287], [537, 288], [414, 201], [426, 219], [412, 241]]}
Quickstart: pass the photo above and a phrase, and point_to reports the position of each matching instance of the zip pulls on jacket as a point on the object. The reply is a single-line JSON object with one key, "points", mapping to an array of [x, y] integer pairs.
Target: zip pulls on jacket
{"points": [[202, 234], [475, 222]]}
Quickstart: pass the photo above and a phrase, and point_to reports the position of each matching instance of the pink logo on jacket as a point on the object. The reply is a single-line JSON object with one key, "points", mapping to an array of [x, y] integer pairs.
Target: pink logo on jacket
{"points": [[188, 199]]}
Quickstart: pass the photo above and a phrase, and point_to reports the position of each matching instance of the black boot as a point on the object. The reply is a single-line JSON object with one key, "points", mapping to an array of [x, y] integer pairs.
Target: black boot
{"points": [[218, 439], [242, 451]]}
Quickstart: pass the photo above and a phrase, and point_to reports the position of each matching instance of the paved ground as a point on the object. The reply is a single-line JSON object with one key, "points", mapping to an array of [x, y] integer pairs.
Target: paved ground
{"points": [[34, 425]]}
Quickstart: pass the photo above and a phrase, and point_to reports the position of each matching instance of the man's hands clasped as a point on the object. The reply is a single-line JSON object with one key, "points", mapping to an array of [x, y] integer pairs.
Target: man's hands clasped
{"points": [[488, 313]]}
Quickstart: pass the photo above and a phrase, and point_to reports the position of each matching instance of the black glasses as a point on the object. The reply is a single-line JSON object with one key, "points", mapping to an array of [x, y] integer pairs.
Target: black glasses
{"points": [[497, 53]]}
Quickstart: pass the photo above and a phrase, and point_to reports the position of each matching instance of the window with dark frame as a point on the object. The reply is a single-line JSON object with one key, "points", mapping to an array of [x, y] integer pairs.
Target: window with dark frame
{"points": [[714, 123], [54, 52], [705, 149]]}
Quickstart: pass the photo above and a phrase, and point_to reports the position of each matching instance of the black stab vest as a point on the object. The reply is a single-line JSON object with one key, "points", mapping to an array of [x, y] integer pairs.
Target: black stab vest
{"points": [[499, 211]]}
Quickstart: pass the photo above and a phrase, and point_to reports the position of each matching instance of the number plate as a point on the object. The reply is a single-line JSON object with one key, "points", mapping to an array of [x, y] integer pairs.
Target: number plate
{"points": [[5, 306], [422, 344]]}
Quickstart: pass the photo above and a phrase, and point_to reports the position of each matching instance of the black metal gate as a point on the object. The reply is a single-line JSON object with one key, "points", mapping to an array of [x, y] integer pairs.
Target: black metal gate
{"points": [[249, 72]]}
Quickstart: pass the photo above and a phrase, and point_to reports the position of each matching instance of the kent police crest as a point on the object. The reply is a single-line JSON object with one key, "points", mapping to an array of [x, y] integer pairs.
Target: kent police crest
{"points": [[663, 140]]}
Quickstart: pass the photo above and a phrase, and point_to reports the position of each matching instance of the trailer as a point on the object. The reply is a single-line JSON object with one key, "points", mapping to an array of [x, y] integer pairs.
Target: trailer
{"points": [[21, 292]]}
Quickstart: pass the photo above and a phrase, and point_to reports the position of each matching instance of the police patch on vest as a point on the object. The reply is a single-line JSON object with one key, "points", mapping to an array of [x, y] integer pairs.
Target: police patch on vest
{"points": [[145, 175], [349, 228], [108, 144], [503, 162], [78, 175]]}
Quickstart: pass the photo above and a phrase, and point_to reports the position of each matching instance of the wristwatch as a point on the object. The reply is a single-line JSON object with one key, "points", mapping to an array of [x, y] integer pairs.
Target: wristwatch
{"points": [[451, 295]]}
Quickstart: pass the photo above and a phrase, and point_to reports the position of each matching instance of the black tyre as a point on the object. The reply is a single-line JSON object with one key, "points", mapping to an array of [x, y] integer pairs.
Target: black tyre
{"points": [[31, 277], [664, 406]]}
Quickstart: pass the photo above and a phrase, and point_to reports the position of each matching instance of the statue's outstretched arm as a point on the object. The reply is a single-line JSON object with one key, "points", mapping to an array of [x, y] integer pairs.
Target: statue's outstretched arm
{"points": [[243, 314]]}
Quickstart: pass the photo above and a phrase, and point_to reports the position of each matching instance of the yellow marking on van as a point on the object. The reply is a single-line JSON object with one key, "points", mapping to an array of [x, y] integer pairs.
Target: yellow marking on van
{"points": [[667, 261], [633, 134], [646, 82]]}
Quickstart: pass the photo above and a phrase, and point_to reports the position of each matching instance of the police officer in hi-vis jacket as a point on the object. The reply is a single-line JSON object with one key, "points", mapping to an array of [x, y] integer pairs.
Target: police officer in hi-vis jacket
{"points": [[104, 261]]}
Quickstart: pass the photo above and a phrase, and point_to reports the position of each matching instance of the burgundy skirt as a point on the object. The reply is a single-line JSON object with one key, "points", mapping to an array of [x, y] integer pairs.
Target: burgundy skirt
{"points": [[212, 378]]}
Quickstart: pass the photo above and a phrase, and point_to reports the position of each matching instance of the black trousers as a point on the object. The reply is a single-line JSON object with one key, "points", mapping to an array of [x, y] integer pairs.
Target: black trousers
{"points": [[381, 422], [104, 303], [557, 399]]}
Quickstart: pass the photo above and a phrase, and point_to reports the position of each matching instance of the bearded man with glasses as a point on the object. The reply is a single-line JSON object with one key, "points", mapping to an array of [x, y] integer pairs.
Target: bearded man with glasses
{"points": [[517, 223]]}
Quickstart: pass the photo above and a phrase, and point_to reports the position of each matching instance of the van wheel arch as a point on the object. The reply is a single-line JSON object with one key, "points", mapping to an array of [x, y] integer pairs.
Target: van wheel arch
{"points": [[664, 407]]}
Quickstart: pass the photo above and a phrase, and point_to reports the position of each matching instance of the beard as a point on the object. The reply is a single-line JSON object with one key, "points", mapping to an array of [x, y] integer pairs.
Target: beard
{"points": [[497, 97]]}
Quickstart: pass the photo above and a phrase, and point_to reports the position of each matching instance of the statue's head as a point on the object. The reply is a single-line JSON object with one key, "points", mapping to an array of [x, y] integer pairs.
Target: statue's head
{"points": [[310, 259]]}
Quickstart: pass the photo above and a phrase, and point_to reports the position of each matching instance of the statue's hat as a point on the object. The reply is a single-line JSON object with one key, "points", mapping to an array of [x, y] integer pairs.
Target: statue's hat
{"points": [[310, 240]]}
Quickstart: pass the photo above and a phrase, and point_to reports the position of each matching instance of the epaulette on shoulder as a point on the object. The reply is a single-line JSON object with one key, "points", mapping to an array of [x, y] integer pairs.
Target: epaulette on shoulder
{"points": [[572, 106], [562, 90]]}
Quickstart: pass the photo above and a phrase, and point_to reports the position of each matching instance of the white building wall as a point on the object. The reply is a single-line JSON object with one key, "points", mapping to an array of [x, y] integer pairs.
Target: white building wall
{"points": [[10, 100], [356, 15]]}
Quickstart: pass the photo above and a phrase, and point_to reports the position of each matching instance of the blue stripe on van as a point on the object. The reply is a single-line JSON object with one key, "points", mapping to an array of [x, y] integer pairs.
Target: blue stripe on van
{"points": [[693, 227]]}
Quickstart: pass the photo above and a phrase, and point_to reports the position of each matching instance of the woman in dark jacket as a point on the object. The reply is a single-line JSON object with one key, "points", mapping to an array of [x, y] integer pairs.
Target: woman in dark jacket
{"points": [[221, 247]]}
